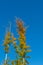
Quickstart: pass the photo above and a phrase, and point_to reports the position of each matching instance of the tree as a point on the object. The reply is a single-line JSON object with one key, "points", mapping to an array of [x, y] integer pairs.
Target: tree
{"points": [[21, 48]]}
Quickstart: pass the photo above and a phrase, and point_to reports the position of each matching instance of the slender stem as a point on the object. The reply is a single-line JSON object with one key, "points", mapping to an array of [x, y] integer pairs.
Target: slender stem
{"points": [[23, 61], [5, 57]]}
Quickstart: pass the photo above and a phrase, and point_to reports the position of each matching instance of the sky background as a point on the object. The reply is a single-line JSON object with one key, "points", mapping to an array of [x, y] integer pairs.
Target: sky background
{"points": [[31, 12]]}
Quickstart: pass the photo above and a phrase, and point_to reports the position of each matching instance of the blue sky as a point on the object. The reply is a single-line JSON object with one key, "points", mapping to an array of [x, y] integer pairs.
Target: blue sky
{"points": [[31, 12]]}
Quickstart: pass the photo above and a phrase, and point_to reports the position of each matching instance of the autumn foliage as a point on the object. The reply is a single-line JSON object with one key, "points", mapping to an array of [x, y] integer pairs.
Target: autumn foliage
{"points": [[21, 48]]}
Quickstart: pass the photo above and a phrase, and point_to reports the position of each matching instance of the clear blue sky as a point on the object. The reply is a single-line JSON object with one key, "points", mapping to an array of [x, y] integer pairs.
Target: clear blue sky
{"points": [[31, 12]]}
